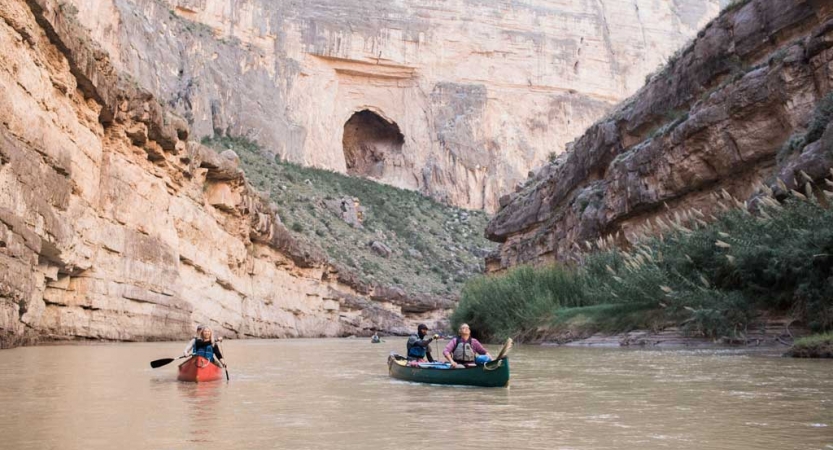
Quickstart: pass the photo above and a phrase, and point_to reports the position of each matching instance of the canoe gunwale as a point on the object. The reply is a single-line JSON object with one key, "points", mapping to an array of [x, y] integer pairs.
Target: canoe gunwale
{"points": [[492, 374]]}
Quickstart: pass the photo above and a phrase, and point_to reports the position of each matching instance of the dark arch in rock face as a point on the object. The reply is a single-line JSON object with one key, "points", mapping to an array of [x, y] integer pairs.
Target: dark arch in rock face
{"points": [[368, 141]]}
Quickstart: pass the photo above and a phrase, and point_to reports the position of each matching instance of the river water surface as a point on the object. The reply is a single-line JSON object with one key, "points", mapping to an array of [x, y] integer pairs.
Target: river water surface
{"points": [[331, 394]]}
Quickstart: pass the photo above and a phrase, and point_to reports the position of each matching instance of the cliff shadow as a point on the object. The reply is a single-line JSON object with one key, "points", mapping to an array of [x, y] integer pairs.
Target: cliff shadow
{"points": [[369, 140]]}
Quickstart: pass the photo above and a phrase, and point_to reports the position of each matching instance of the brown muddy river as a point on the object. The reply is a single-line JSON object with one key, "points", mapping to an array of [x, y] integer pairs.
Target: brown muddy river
{"points": [[331, 394]]}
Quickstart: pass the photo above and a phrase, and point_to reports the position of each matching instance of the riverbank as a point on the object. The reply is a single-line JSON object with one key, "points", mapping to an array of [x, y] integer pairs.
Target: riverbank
{"points": [[815, 346], [774, 335], [744, 278], [774, 338]]}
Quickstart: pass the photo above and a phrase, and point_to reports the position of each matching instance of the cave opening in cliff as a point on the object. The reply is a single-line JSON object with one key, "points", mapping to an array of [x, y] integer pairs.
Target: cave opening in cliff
{"points": [[369, 140]]}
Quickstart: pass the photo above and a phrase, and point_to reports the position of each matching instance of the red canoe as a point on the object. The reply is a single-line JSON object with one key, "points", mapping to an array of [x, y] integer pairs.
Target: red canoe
{"points": [[199, 369]]}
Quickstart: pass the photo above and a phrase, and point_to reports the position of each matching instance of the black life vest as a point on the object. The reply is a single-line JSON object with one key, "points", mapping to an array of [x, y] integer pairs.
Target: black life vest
{"points": [[204, 349]]}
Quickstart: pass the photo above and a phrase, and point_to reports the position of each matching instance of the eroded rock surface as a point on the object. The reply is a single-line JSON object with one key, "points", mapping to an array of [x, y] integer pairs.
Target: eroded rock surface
{"points": [[748, 102], [114, 226], [481, 91]]}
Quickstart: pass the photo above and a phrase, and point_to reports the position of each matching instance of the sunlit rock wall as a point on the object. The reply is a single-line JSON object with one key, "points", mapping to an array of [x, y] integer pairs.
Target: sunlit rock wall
{"points": [[482, 91], [114, 226]]}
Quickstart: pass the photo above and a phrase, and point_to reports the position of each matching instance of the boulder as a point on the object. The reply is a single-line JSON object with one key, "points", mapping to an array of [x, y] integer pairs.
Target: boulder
{"points": [[380, 249]]}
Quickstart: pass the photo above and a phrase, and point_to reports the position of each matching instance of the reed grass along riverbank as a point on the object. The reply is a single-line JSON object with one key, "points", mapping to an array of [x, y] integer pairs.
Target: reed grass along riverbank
{"points": [[715, 277]]}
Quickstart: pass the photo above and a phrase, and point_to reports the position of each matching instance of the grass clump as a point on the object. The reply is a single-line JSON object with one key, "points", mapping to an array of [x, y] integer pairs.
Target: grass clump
{"points": [[516, 303], [821, 118], [815, 346], [815, 340], [735, 4], [815, 129], [711, 279], [434, 247], [793, 145], [552, 157]]}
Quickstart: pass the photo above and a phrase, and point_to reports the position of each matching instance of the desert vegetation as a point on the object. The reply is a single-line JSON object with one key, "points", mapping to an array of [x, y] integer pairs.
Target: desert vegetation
{"points": [[421, 245], [815, 346], [711, 275]]}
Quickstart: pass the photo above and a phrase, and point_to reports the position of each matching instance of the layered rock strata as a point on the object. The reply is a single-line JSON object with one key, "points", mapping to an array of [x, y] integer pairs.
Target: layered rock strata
{"points": [[748, 102], [113, 225], [481, 91]]}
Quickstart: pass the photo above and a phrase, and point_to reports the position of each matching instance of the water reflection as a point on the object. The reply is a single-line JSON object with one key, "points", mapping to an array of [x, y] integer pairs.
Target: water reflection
{"points": [[202, 401]]}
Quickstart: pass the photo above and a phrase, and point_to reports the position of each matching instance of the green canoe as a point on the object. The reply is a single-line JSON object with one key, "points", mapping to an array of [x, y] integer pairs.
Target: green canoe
{"points": [[492, 374]]}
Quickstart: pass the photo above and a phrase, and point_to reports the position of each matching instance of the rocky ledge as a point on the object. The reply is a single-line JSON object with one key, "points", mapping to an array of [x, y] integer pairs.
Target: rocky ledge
{"points": [[821, 351], [114, 226], [747, 102]]}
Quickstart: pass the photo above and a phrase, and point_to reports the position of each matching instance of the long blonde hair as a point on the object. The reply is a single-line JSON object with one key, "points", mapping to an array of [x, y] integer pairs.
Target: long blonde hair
{"points": [[210, 334]]}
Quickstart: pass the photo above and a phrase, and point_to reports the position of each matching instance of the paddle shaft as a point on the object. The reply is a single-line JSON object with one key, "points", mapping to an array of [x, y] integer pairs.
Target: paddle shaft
{"points": [[224, 364]]}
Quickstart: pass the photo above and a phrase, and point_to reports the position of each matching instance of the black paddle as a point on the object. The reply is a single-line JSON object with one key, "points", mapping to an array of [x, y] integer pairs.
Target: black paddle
{"points": [[224, 364], [163, 362]]}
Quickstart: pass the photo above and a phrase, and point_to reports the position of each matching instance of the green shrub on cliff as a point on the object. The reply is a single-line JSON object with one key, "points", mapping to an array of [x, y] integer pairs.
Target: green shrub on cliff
{"points": [[821, 119], [822, 116], [712, 279], [735, 4]]}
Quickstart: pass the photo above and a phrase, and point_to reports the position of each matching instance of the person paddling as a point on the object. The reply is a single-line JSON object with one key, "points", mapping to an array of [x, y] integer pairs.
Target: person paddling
{"points": [[463, 349], [205, 346], [419, 348], [189, 349]]}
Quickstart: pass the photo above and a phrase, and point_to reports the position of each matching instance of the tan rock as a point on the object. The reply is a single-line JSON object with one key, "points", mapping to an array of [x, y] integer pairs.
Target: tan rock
{"points": [[717, 118], [459, 102], [113, 227]]}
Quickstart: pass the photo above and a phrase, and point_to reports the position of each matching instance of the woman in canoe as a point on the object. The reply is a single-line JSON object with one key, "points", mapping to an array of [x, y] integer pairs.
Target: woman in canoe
{"points": [[463, 349], [205, 346], [189, 349]]}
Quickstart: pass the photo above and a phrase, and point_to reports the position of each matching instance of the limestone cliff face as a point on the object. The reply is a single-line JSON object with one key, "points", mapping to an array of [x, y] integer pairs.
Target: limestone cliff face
{"points": [[479, 91], [748, 102], [114, 226]]}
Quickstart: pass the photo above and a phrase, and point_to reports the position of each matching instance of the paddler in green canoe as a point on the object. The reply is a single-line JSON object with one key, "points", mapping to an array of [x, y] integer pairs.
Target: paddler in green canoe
{"points": [[463, 350], [419, 348]]}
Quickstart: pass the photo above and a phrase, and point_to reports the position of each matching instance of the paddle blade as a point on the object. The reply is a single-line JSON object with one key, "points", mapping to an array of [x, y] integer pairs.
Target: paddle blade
{"points": [[505, 350], [161, 362]]}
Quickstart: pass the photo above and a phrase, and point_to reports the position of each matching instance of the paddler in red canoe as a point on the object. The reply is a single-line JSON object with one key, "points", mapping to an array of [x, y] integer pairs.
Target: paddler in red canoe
{"points": [[205, 346]]}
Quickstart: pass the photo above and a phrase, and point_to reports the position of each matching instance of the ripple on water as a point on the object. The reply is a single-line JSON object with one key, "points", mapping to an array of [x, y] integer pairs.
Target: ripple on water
{"points": [[282, 396]]}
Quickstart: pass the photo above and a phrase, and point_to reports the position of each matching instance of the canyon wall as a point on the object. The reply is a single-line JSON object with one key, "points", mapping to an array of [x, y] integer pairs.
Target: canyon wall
{"points": [[113, 225], [480, 91], [749, 102]]}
